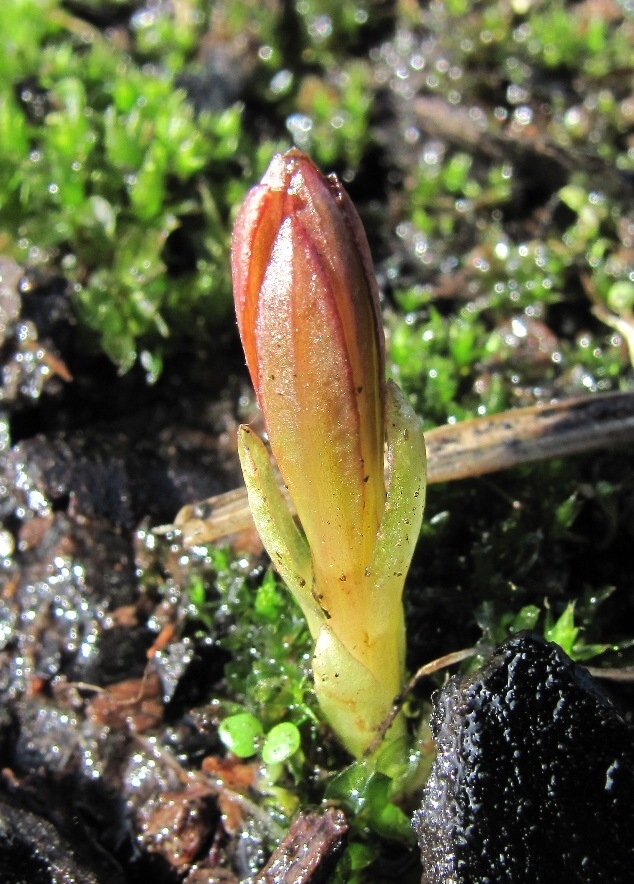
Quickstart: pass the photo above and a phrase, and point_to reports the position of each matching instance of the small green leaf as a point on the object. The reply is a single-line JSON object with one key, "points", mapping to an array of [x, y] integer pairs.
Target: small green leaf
{"points": [[269, 600], [366, 794], [526, 618], [357, 857], [361, 855], [582, 652], [386, 818], [148, 190], [241, 734], [567, 512], [280, 743], [563, 631], [574, 197], [456, 172], [348, 786]]}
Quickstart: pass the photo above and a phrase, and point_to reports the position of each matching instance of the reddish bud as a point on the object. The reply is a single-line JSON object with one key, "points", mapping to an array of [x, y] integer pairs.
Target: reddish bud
{"points": [[309, 319]]}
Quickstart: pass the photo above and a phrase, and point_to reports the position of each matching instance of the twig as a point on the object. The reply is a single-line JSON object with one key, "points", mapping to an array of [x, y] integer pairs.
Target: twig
{"points": [[610, 673], [457, 451]]}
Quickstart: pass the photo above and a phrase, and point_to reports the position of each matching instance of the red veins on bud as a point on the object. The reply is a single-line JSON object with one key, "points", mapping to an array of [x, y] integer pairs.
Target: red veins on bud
{"points": [[309, 319]]}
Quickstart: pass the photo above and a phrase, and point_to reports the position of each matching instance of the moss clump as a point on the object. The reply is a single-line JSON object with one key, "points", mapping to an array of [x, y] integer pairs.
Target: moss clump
{"points": [[111, 178]]}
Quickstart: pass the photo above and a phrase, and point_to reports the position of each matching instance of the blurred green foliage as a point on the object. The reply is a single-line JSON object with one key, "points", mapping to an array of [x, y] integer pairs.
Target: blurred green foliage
{"points": [[515, 214], [110, 177]]}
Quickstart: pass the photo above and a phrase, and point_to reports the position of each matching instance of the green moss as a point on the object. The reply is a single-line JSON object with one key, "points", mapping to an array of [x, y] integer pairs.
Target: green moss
{"points": [[105, 164], [332, 116], [433, 358], [269, 669]]}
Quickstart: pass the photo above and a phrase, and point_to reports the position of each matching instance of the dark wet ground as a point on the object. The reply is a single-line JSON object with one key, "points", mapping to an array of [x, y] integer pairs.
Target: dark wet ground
{"points": [[97, 460]]}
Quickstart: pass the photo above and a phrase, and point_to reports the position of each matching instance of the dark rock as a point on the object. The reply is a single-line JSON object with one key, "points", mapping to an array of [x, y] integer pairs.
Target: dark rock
{"points": [[534, 779]]}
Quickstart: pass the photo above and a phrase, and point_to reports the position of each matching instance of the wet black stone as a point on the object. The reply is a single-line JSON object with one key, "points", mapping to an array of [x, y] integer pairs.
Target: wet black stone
{"points": [[534, 779]]}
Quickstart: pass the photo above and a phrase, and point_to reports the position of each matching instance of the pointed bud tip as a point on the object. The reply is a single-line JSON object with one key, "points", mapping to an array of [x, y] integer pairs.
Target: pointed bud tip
{"points": [[309, 318], [293, 171]]}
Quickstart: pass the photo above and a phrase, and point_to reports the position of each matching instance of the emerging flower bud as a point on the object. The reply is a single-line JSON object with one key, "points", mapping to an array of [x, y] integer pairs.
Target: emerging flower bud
{"points": [[309, 319]]}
